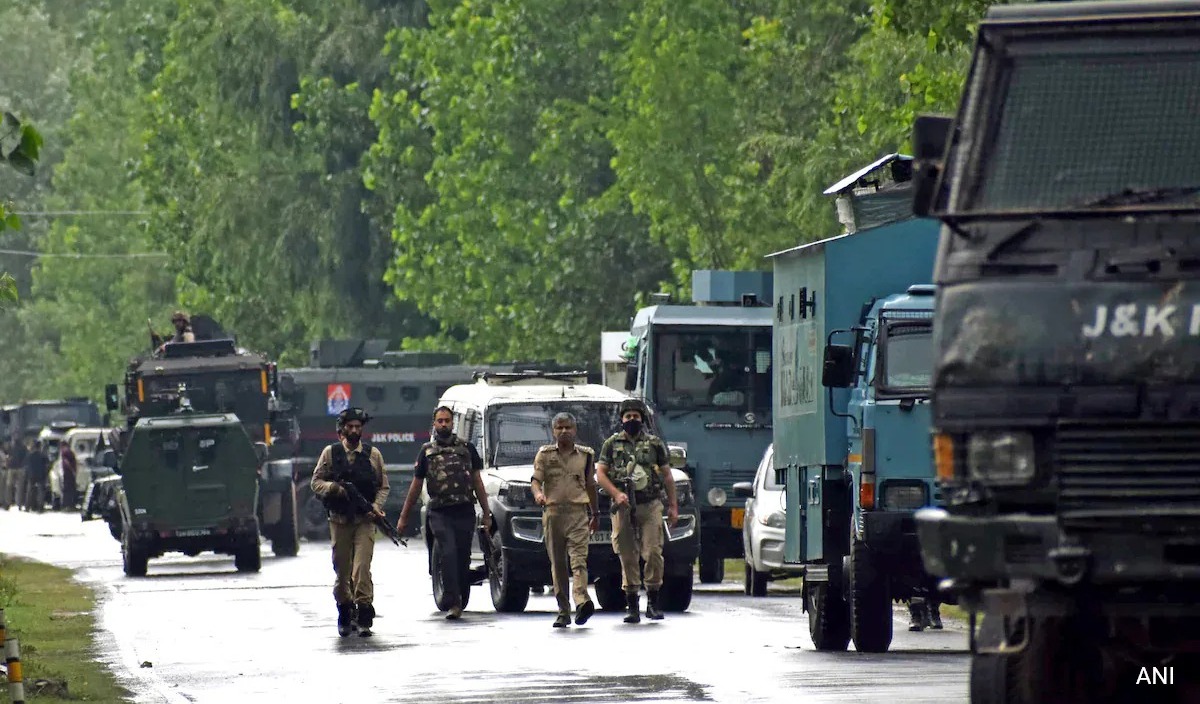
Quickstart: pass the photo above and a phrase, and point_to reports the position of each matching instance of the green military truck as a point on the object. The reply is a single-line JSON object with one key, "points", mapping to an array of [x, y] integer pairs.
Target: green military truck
{"points": [[1066, 382], [188, 484]]}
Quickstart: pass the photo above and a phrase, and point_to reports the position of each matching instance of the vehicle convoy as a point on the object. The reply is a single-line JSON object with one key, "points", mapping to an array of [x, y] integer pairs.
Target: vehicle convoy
{"points": [[189, 483], [398, 389], [216, 376], [853, 318], [1066, 365], [507, 417], [705, 371], [25, 420]]}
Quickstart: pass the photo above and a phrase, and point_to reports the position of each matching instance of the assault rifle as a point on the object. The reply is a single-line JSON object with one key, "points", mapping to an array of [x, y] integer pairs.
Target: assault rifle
{"points": [[630, 492], [359, 504]]}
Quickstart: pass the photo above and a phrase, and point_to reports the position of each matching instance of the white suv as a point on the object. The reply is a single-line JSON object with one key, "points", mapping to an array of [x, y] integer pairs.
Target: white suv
{"points": [[507, 417], [763, 527]]}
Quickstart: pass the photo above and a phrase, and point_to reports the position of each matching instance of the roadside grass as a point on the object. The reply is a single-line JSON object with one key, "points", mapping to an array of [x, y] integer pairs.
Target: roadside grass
{"points": [[735, 572], [51, 614]]}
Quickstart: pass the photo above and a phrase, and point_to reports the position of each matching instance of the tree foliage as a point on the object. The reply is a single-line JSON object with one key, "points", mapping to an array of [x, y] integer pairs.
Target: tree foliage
{"points": [[505, 178]]}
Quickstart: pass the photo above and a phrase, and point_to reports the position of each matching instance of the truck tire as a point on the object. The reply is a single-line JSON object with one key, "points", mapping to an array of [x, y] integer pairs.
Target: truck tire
{"points": [[313, 519], [116, 527], [1059, 664], [870, 602], [134, 558], [991, 681], [676, 594], [755, 583], [509, 595], [712, 567], [248, 558], [828, 617], [609, 593], [285, 540]]}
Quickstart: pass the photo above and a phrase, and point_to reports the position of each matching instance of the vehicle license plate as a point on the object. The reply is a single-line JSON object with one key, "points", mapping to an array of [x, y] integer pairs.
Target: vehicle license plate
{"points": [[736, 516], [601, 536]]}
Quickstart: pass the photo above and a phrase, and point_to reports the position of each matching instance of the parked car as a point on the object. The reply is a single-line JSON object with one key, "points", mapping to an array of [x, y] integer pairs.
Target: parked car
{"points": [[762, 529]]}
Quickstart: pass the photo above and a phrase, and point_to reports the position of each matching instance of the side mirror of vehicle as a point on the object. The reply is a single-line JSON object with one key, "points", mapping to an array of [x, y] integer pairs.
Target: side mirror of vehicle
{"points": [[743, 490], [678, 456], [109, 459], [631, 371], [838, 369], [287, 387], [931, 136], [112, 400], [261, 451]]}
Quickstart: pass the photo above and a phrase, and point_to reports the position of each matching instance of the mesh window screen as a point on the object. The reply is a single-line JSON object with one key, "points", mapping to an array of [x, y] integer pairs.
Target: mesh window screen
{"points": [[1077, 127]]}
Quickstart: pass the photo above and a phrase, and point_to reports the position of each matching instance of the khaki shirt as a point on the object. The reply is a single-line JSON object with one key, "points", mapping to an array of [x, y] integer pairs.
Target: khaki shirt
{"points": [[563, 476], [323, 473]]}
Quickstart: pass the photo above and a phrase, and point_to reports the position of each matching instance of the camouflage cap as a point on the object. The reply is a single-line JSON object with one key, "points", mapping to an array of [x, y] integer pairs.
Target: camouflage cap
{"points": [[180, 315], [633, 404], [350, 414]]}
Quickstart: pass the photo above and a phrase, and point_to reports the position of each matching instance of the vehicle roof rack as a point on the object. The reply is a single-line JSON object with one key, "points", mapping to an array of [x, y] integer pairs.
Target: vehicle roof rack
{"points": [[576, 377]]}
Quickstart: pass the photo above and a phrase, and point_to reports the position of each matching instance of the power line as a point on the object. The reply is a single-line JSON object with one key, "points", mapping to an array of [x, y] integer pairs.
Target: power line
{"points": [[46, 255]]}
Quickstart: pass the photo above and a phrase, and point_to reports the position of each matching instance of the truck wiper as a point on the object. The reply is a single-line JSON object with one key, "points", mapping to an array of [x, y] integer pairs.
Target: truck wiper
{"points": [[1013, 239], [1135, 196]]}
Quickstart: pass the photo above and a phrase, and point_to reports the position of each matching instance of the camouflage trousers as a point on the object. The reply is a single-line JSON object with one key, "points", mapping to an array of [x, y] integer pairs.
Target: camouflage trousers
{"points": [[650, 522], [566, 529], [353, 548]]}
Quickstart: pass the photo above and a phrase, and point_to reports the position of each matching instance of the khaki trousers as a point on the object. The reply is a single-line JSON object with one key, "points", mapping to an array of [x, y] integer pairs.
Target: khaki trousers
{"points": [[566, 529], [353, 548], [649, 519]]}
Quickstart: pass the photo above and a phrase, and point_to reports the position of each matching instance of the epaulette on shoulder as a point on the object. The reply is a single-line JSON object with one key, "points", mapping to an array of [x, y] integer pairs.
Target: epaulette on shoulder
{"points": [[547, 448], [585, 449]]}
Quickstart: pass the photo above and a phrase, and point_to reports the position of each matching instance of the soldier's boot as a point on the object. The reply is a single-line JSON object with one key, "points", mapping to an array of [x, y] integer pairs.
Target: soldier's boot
{"points": [[918, 619], [583, 612], [652, 611], [365, 618], [935, 618], [632, 601], [563, 620], [345, 620]]}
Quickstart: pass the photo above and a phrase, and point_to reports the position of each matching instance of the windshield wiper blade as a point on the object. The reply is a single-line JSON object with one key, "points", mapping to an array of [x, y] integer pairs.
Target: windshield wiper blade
{"points": [[1137, 196], [1013, 239]]}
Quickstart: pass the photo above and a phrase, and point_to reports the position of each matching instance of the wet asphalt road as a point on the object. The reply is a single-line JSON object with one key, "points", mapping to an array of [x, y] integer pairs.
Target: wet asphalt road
{"points": [[210, 634]]}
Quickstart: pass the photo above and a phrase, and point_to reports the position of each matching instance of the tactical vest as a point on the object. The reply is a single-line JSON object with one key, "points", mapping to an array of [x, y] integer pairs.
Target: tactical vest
{"points": [[360, 473], [630, 456], [448, 480]]}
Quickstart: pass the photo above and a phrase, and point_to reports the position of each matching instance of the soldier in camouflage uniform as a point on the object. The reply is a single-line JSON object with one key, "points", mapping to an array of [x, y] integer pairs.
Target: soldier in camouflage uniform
{"points": [[352, 532], [451, 465], [633, 453], [563, 483]]}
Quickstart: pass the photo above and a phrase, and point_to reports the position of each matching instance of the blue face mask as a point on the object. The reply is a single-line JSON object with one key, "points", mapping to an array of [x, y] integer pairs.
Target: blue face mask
{"points": [[632, 427]]}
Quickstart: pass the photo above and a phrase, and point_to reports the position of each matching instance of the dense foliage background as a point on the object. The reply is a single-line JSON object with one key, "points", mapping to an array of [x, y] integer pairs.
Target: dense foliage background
{"points": [[505, 178]]}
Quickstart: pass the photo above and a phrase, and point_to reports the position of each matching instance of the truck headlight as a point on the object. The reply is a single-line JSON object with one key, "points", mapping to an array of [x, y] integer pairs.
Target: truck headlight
{"points": [[906, 496], [716, 496], [774, 519], [999, 457]]}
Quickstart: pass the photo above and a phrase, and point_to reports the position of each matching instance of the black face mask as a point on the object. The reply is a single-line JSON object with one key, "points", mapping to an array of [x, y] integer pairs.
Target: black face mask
{"points": [[443, 433], [632, 427]]}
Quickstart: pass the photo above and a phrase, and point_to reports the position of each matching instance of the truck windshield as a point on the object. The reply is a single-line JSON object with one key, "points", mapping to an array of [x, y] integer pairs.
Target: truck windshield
{"points": [[237, 392], [34, 417], [727, 368], [1082, 121], [516, 431], [907, 359]]}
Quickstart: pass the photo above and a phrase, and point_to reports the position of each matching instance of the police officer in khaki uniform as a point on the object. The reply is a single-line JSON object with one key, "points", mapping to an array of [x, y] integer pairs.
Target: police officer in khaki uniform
{"points": [[638, 455], [451, 465], [563, 483], [352, 532]]}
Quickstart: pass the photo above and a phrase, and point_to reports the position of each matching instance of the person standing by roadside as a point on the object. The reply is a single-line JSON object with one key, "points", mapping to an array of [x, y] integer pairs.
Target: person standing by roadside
{"points": [[17, 455], [37, 475], [563, 483], [351, 462], [451, 465], [70, 468]]}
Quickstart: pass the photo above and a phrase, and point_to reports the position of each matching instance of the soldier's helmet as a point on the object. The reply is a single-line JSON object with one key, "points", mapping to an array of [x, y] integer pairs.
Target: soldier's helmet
{"points": [[179, 316], [350, 414], [633, 404]]}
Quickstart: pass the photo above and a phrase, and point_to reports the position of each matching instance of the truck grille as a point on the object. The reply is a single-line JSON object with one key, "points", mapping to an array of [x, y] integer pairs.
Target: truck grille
{"points": [[1145, 472]]}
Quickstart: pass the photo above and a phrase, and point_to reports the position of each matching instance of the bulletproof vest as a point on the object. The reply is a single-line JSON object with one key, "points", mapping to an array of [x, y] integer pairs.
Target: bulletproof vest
{"points": [[360, 473], [636, 458], [449, 478]]}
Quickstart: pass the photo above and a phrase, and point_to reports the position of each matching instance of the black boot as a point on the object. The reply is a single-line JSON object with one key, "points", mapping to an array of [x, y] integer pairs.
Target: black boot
{"points": [[652, 611], [365, 618], [345, 619], [632, 601]]}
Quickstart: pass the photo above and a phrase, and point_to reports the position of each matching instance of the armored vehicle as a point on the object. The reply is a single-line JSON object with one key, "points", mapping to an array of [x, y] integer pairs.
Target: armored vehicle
{"points": [[25, 420], [218, 377], [189, 483], [507, 417], [851, 439], [1066, 384], [705, 369]]}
